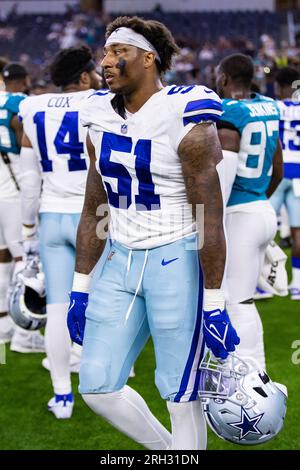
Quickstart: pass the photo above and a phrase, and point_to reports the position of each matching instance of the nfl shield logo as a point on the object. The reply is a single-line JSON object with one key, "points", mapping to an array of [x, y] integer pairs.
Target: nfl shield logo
{"points": [[124, 128]]}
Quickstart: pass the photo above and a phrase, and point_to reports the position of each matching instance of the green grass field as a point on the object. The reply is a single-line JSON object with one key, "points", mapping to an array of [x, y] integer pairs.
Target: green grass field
{"points": [[25, 389]]}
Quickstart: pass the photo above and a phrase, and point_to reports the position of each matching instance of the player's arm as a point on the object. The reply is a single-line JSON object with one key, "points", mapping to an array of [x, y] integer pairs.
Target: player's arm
{"points": [[277, 173], [89, 247], [17, 127], [230, 143], [229, 139], [200, 152], [30, 184]]}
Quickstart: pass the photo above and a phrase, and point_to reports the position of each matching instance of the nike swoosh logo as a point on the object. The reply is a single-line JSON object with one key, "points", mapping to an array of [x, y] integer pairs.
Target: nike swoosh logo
{"points": [[208, 91], [71, 306], [164, 263], [212, 327]]}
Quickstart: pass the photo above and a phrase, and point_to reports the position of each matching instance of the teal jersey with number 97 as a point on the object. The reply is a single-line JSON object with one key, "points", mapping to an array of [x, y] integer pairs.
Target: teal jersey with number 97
{"points": [[257, 121], [9, 107]]}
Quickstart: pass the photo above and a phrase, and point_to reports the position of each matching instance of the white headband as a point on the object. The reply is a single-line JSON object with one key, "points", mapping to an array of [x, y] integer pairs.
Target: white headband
{"points": [[128, 36]]}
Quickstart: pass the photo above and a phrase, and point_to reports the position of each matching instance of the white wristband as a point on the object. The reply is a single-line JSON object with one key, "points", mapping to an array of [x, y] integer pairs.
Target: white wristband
{"points": [[213, 299], [81, 282], [28, 232]]}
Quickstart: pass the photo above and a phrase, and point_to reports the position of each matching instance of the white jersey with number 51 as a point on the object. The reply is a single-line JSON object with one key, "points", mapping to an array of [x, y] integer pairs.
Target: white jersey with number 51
{"points": [[139, 164]]}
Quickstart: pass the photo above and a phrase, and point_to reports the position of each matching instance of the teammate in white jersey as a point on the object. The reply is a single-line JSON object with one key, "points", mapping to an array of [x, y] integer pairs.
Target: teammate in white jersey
{"points": [[16, 81], [249, 128], [288, 192], [153, 150], [53, 152]]}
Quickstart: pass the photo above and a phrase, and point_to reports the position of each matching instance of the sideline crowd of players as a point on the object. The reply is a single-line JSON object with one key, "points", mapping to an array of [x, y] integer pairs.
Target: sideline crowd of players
{"points": [[51, 189]]}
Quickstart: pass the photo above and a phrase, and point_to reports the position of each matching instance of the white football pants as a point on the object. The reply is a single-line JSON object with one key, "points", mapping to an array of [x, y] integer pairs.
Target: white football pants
{"points": [[248, 235], [11, 227]]}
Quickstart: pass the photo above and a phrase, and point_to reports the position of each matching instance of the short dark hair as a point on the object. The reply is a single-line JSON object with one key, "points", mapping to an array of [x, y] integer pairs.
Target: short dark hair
{"points": [[155, 32], [14, 71], [286, 76], [68, 65], [239, 67]]}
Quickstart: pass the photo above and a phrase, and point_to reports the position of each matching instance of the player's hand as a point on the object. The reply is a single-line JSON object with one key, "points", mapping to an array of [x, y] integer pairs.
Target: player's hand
{"points": [[76, 315], [219, 335]]}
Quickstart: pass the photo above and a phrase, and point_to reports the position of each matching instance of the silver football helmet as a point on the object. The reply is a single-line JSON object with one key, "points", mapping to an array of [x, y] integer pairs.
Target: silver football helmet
{"points": [[241, 403], [27, 297]]}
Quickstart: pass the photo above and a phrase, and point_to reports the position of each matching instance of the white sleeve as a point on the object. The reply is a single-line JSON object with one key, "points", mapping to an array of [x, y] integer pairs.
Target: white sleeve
{"points": [[190, 106], [30, 185], [89, 109], [85, 114], [93, 107]]}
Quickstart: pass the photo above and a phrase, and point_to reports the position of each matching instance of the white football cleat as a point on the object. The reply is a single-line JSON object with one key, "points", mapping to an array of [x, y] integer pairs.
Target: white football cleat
{"points": [[295, 293], [61, 406], [27, 342], [261, 294]]}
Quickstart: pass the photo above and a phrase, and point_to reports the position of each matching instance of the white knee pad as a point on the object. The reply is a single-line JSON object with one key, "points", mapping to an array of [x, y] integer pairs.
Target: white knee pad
{"points": [[5, 275], [94, 377]]}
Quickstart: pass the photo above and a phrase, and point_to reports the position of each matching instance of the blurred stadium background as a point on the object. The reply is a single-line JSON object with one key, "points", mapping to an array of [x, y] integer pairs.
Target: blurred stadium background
{"points": [[31, 32]]}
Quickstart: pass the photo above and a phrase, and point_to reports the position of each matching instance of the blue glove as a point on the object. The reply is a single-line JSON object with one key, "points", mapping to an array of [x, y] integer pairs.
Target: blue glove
{"points": [[219, 335], [76, 315]]}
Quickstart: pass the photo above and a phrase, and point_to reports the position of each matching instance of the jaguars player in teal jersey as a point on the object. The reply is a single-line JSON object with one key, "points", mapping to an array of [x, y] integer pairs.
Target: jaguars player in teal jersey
{"points": [[16, 82], [249, 128]]}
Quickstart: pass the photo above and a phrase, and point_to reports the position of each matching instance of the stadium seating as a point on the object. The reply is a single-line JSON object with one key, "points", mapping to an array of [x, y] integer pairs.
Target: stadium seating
{"points": [[32, 30]]}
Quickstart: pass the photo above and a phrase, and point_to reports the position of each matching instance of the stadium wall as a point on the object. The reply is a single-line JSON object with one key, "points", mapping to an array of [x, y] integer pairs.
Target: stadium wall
{"points": [[132, 6], [135, 6], [35, 6]]}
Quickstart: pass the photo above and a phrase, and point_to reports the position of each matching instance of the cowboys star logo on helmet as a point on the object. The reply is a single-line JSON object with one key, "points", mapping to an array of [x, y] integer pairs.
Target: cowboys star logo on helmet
{"points": [[247, 424]]}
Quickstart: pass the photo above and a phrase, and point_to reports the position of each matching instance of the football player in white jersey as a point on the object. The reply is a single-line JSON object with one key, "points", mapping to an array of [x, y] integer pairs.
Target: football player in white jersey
{"points": [[53, 152], [288, 192], [16, 81], [249, 128], [153, 150]]}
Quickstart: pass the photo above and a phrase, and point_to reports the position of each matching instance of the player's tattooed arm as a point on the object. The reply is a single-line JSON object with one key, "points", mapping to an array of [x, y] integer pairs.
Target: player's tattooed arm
{"points": [[277, 173], [90, 243], [200, 152]]}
